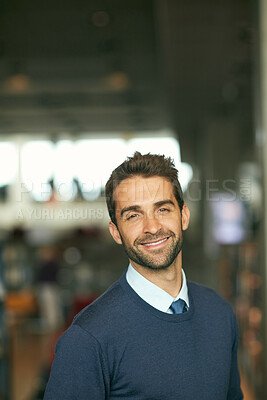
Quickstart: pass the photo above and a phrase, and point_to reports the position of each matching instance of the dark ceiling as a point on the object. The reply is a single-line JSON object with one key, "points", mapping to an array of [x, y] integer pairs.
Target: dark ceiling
{"points": [[86, 66]]}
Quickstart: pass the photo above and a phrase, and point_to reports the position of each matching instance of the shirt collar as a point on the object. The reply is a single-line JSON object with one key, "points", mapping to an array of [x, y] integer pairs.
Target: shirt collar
{"points": [[153, 294]]}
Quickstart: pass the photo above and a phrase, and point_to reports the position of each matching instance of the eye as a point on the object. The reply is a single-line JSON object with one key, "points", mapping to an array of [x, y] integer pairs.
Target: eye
{"points": [[163, 210], [132, 216]]}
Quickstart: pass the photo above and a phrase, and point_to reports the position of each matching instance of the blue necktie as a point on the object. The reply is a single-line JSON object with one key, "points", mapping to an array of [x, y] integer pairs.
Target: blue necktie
{"points": [[178, 306]]}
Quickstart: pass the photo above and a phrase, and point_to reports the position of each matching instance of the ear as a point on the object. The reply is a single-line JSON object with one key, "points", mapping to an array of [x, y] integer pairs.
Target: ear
{"points": [[185, 217], [115, 232]]}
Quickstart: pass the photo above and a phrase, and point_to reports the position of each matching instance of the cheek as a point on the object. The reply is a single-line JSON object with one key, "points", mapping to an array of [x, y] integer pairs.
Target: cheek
{"points": [[175, 227], [130, 234], [174, 223]]}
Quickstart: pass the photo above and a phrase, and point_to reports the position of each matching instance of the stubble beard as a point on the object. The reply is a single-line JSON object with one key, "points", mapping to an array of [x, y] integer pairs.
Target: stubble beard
{"points": [[158, 260]]}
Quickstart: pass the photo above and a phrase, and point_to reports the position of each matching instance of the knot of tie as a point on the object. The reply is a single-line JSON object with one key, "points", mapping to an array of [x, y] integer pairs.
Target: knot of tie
{"points": [[178, 306]]}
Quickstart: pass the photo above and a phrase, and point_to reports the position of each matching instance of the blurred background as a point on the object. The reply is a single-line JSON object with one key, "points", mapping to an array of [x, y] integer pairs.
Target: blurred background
{"points": [[83, 84]]}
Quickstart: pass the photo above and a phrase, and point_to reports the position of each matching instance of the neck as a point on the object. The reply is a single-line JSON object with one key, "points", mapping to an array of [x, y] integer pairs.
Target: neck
{"points": [[169, 279]]}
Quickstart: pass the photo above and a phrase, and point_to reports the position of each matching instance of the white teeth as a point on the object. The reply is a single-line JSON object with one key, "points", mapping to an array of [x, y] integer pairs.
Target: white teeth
{"points": [[155, 243]]}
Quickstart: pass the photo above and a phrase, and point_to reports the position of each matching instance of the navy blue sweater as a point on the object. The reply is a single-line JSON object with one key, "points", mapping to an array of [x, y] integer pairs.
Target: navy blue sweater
{"points": [[121, 347]]}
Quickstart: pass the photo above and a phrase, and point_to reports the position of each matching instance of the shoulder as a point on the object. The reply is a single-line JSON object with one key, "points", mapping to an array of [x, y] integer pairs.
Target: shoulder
{"points": [[208, 298], [213, 311], [100, 315]]}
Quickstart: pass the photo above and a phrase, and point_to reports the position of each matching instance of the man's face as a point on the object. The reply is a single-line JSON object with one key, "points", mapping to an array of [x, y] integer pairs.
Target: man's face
{"points": [[149, 221]]}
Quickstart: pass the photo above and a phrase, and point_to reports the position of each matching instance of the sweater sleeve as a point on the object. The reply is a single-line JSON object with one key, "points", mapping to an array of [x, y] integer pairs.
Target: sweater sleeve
{"points": [[78, 371], [234, 391]]}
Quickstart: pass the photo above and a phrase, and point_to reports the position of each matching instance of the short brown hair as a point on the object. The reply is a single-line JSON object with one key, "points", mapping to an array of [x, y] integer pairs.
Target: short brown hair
{"points": [[146, 165]]}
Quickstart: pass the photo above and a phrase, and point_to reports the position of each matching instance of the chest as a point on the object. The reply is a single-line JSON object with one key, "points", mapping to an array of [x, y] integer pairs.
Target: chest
{"points": [[182, 361]]}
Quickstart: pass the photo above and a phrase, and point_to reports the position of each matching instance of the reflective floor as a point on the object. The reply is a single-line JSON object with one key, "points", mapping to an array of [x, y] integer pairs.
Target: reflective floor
{"points": [[30, 357]]}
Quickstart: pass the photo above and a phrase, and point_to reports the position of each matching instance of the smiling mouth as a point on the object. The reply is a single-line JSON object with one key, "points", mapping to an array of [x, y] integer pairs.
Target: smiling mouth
{"points": [[156, 243]]}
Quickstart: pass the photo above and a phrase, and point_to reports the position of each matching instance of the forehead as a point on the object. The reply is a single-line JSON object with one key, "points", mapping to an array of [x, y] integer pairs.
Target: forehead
{"points": [[140, 190]]}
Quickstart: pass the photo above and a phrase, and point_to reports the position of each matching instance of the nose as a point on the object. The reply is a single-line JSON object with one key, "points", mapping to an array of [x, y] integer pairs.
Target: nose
{"points": [[151, 224]]}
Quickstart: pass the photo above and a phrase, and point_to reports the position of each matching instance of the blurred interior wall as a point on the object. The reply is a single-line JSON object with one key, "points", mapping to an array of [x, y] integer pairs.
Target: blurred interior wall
{"points": [[261, 115]]}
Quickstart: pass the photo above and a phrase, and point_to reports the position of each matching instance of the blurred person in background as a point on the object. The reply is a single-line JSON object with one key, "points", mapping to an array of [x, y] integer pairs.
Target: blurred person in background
{"points": [[48, 293], [153, 334]]}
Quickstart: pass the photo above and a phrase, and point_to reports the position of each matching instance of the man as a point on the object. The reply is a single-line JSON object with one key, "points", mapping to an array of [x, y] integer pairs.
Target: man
{"points": [[152, 335]]}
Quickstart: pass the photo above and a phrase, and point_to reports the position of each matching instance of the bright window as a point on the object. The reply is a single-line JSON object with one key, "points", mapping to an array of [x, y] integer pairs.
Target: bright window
{"points": [[94, 161], [64, 170], [37, 167], [185, 174]]}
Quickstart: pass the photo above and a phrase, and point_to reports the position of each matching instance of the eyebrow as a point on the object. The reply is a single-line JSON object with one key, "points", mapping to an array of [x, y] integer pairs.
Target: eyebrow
{"points": [[163, 202], [136, 207]]}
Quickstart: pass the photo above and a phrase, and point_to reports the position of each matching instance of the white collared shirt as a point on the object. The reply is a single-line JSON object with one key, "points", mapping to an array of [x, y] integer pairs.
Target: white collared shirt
{"points": [[153, 294]]}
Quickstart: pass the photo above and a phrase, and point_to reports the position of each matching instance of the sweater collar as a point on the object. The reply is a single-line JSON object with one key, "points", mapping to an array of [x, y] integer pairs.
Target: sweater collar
{"points": [[153, 294]]}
